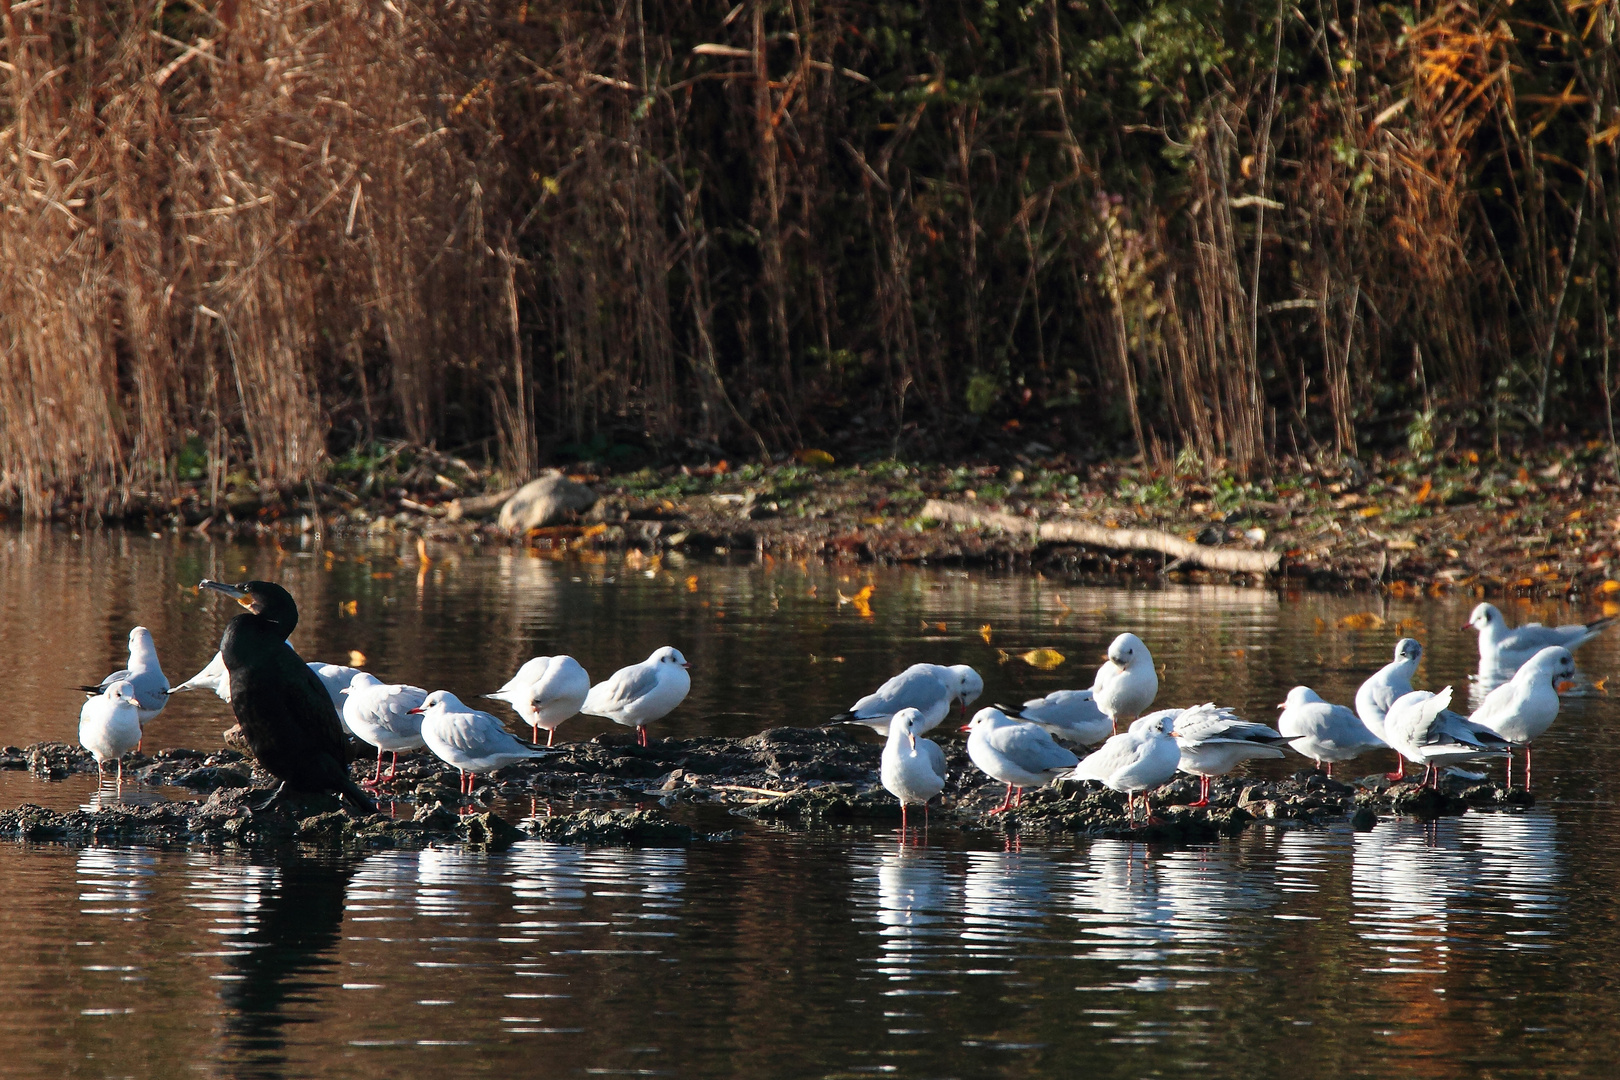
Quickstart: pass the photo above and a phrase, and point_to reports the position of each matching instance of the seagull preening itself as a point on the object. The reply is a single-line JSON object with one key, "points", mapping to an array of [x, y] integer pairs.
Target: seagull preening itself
{"points": [[913, 768], [1324, 732], [931, 689], [1017, 754], [467, 739], [287, 717], [1070, 715], [1422, 727], [143, 673], [546, 691], [1522, 709], [637, 695], [214, 676], [1505, 650], [1127, 683], [1214, 741], [1139, 759], [382, 714], [110, 727], [1388, 685]]}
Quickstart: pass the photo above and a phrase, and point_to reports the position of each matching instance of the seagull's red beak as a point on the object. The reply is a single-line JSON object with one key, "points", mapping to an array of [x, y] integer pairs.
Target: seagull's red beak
{"points": [[413, 712], [913, 739], [965, 727], [1563, 686], [686, 665]]}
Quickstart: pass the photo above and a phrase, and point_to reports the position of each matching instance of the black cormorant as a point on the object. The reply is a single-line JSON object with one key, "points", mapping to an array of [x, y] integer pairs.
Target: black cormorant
{"points": [[286, 715]]}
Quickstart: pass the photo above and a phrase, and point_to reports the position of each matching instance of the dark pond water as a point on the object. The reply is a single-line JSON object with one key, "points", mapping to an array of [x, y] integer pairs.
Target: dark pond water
{"points": [[1475, 946]]}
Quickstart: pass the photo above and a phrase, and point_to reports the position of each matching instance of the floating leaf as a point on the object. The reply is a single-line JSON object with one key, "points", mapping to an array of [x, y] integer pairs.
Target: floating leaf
{"points": [[1043, 658], [926, 625], [691, 583], [357, 658], [1410, 627], [861, 601], [348, 607], [1369, 511], [984, 632], [1608, 587], [1362, 620]]}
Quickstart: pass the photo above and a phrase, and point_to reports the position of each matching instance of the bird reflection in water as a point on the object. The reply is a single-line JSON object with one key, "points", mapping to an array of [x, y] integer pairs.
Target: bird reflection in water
{"points": [[913, 893], [291, 923]]}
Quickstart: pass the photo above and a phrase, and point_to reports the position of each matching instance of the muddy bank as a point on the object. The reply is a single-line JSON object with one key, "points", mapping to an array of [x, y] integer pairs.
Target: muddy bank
{"points": [[1540, 523], [609, 790]]}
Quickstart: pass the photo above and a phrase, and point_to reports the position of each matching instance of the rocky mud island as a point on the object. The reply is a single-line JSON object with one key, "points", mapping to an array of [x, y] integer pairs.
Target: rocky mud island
{"points": [[609, 791]]}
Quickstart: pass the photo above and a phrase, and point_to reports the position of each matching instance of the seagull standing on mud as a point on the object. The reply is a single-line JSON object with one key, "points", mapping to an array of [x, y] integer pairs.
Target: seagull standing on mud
{"points": [[1321, 731], [1383, 689], [1422, 727], [931, 689], [1139, 759], [1017, 754], [913, 769], [286, 715], [1127, 683], [546, 691], [1214, 741], [110, 727], [1522, 709], [143, 673], [637, 695], [383, 715], [470, 740]]}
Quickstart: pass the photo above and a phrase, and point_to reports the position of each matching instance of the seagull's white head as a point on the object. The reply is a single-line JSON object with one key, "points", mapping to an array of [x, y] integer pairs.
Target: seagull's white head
{"points": [[969, 685], [1485, 615], [141, 645], [1163, 721], [1298, 696], [1554, 662], [668, 655], [1128, 649], [905, 723], [360, 681], [1409, 649], [121, 692], [985, 719], [443, 699]]}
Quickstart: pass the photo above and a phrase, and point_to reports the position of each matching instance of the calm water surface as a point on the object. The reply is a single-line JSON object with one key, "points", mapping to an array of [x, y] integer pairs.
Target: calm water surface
{"points": [[1475, 946]]}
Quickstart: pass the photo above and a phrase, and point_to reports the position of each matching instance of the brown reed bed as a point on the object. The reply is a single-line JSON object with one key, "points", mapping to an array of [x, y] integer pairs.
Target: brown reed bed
{"points": [[239, 240]]}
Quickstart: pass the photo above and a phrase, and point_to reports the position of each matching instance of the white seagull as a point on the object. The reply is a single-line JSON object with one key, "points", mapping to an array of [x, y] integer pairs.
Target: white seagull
{"points": [[110, 726], [1127, 683], [1322, 731], [469, 740], [336, 678], [931, 689], [1505, 649], [1423, 728], [1017, 754], [381, 714], [546, 691], [144, 674], [913, 769], [1214, 741], [1387, 685], [1139, 759], [637, 695], [1071, 715], [1521, 710]]}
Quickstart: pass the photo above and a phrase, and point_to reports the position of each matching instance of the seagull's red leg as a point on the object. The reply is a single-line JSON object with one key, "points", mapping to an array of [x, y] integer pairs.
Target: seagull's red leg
{"points": [[1526, 767], [1203, 792], [536, 728], [1019, 801], [1510, 769], [1005, 803], [902, 822], [393, 766], [550, 735], [1400, 768]]}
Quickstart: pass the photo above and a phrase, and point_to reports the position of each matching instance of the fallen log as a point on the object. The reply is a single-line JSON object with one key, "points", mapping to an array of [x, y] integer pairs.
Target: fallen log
{"points": [[1083, 532], [477, 506]]}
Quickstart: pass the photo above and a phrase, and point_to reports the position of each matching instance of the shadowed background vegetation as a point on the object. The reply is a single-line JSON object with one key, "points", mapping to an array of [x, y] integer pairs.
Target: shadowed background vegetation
{"points": [[259, 236]]}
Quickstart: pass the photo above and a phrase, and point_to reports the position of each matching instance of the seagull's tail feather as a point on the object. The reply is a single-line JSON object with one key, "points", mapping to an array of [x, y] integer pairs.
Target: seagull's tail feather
{"points": [[845, 717], [89, 689], [1014, 711], [1597, 626]]}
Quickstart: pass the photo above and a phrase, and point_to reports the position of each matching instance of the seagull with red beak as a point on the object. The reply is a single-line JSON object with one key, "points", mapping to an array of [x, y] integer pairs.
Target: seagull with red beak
{"points": [[637, 695], [1522, 709]]}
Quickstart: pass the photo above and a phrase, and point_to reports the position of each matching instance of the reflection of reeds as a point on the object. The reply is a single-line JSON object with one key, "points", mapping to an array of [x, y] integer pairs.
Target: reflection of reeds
{"points": [[274, 231]]}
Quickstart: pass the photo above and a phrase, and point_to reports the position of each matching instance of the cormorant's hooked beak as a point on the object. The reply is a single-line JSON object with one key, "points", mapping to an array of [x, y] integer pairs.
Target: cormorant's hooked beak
{"points": [[235, 592]]}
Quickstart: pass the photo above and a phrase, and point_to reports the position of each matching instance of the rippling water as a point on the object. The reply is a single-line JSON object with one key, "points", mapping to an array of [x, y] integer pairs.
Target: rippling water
{"points": [[1476, 945]]}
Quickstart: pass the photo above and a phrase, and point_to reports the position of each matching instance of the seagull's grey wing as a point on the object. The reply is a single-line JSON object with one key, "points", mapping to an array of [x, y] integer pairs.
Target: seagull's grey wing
{"points": [[478, 734], [624, 687], [1531, 637], [1455, 727], [1032, 748], [1120, 751], [914, 688], [933, 755]]}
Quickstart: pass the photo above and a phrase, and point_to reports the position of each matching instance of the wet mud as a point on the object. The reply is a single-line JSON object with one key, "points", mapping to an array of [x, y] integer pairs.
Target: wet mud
{"points": [[610, 791]]}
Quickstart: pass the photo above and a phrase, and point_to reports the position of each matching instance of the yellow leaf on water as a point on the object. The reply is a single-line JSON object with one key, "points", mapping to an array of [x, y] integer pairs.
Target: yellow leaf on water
{"points": [[1410, 627], [348, 607], [1043, 658], [357, 658], [1362, 620], [691, 583], [1609, 586], [984, 632]]}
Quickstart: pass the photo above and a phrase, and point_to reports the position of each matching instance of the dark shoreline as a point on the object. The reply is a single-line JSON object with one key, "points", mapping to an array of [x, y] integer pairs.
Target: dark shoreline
{"points": [[618, 793]]}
